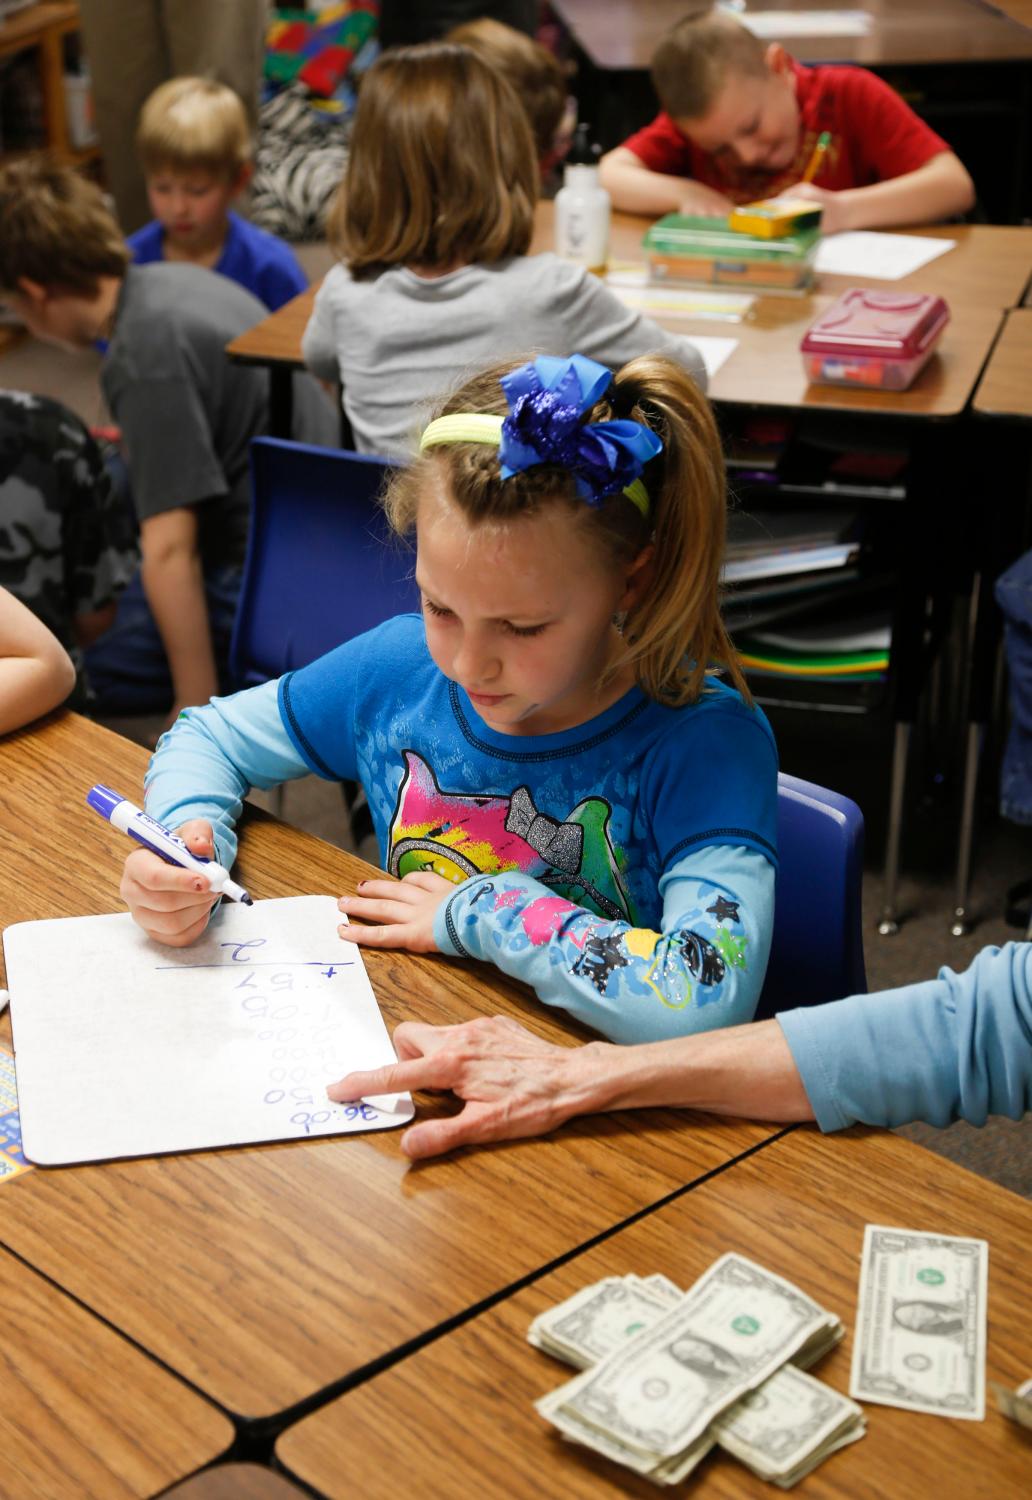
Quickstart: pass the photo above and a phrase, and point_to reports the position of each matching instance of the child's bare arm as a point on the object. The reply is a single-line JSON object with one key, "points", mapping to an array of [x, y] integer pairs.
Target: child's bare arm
{"points": [[635, 189], [934, 192], [36, 673], [173, 581]]}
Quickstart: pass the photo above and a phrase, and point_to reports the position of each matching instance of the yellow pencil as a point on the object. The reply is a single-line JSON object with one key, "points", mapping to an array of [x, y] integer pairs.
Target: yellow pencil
{"points": [[813, 165]]}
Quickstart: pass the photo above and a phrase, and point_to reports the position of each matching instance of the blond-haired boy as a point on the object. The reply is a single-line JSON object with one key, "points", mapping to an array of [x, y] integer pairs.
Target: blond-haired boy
{"points": [[741, 121], [195, 149]]}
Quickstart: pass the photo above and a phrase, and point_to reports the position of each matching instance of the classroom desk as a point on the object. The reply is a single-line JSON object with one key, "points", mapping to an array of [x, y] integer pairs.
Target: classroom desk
{"points": [[265, 1275], [988, 271], [622, 34], [1017, 10], [1005, 389], [458, 1414], [236, 1482], [66, 1427]]}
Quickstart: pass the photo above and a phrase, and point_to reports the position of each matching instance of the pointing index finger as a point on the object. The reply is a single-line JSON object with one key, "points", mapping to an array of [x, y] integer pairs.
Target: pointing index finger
{"points": [[394, 1078]]}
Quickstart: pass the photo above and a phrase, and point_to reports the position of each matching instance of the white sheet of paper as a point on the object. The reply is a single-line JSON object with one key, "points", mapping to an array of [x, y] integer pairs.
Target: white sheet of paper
{"points": [[777, 25], [887, 257], [126, 1048], [715, 352]]}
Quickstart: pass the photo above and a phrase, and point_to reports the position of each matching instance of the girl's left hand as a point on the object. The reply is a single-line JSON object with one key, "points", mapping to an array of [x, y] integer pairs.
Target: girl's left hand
{"points": [[404, 910]]}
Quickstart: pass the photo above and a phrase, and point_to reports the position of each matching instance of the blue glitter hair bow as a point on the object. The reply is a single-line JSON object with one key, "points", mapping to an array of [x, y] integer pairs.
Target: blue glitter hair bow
{"points": [[547, 399]]}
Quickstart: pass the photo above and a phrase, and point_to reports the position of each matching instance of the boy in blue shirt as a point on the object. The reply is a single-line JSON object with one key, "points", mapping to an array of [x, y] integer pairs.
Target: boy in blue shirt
{"points": [[195, 148]]}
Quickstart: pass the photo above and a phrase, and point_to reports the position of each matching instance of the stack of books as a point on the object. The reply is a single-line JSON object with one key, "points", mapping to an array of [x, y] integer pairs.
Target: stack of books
{"points": [[797, 602]]}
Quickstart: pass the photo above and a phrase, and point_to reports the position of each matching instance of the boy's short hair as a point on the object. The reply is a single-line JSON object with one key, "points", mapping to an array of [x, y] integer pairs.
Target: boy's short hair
{"points": [[56, 228], [691, 63], [193, 125], [534, 72]]}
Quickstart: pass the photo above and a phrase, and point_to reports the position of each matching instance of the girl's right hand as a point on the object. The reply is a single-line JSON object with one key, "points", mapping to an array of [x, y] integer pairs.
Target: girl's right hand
{"points": [[171, 904]]}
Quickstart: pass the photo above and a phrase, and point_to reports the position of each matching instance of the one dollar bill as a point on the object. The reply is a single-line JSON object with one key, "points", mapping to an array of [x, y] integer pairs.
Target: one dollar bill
{"points": [[920, 1327]]}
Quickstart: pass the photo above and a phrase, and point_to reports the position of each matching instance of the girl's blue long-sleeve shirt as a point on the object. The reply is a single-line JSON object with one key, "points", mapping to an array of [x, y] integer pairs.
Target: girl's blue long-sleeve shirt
{"points": [[624, 869], [958, 1047]]}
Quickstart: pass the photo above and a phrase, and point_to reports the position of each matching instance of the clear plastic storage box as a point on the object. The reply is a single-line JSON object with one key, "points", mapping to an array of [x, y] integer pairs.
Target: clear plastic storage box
{"points": [[681, 247], [879, 339]]}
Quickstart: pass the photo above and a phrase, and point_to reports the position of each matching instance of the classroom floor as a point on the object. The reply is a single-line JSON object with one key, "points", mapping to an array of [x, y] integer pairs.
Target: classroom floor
{"points": [[1002, 1150]]}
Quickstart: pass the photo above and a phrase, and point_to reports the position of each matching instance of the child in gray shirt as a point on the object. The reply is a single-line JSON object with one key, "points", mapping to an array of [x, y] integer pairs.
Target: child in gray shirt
{"points": [[186, 414], [433, 222]]}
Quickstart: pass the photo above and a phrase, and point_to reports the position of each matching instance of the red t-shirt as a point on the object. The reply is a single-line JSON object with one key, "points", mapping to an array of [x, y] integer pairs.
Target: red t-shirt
{"points": [[874, 136]]}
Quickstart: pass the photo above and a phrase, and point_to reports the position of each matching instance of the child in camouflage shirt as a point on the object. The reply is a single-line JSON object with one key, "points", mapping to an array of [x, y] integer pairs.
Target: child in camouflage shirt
{"points": [[67, 543]]}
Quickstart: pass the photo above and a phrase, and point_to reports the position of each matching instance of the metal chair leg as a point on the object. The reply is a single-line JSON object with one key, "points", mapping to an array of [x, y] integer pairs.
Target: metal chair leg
{"points": [[888, 924], [961, 924]]}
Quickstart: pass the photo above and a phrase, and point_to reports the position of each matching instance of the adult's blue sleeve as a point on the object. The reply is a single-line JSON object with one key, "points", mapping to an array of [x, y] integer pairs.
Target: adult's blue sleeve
{"points": [[958, 1047]]}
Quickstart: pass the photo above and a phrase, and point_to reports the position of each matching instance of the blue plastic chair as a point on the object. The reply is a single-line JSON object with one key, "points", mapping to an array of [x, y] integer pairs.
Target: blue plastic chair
{"points": [[818, 949], [322, 564]]}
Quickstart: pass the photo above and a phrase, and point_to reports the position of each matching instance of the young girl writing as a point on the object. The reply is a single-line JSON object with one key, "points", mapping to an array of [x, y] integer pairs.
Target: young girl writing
{"points": [[433, 223], [561, 786]]}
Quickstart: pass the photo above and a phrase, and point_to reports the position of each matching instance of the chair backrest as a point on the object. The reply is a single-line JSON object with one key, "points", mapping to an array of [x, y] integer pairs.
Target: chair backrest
{"points": [[818, 949], [322, 565]]}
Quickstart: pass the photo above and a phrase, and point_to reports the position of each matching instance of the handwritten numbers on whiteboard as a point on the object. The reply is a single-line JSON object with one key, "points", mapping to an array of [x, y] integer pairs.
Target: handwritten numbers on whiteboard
{"points": [[239, 956]]}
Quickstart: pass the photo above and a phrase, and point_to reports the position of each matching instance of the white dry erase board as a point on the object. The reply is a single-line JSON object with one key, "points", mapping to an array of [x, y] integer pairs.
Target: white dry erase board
{"points": [[126, 1048]]}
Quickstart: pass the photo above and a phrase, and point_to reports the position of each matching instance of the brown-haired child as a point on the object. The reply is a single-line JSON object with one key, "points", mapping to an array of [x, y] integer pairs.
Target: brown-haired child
{"points": [[433, 223], [742, 121], [187, 416], [537, 77]]}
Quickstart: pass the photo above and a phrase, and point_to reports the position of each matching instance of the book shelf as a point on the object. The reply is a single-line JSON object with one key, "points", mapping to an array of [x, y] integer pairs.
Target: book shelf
{"points": [[42, 27]]}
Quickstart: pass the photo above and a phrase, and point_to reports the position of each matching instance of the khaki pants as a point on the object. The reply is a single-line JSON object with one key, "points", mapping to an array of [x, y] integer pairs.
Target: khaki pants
{"points": [[133, 45]]}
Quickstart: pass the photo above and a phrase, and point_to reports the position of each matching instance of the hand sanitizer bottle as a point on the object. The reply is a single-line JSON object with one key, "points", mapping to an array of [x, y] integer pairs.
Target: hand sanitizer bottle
{"points": [[582, 208]]}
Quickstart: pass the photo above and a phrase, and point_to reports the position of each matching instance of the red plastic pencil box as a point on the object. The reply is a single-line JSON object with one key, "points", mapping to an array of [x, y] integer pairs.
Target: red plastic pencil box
{"points": [[877, 338]]}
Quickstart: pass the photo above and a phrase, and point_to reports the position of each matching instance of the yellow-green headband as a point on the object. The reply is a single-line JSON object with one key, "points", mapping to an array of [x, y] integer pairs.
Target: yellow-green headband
{"points": [[479, 427]]}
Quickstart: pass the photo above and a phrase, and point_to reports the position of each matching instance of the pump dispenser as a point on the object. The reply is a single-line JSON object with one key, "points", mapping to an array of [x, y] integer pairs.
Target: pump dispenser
{"points": [[582, 207]]}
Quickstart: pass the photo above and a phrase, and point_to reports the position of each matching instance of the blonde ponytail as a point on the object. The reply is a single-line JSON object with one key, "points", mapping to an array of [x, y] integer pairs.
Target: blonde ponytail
{"points": [[674, 633]]}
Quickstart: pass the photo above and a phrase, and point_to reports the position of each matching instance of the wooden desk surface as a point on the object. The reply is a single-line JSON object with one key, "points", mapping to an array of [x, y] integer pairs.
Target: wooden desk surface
{"points": [[264, 1274], [457, 1416], [1005, 389], [83, 1412], [986, 272], [236, 1482], [623, 34], [1017, 10]]}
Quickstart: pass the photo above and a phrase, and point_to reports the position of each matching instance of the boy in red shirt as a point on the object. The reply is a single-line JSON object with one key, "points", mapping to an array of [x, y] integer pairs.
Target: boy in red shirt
{"points": [[742, 121]]}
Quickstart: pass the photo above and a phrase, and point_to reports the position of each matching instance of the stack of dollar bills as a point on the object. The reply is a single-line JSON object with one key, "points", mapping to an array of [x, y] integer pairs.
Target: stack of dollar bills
{"points": [[668, 1374], [1017, 1405]]}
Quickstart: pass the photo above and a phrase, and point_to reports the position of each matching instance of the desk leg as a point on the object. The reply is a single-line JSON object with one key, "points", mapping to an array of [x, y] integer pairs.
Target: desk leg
{"points": [[281, 402], [888, 923], [908, 671]]}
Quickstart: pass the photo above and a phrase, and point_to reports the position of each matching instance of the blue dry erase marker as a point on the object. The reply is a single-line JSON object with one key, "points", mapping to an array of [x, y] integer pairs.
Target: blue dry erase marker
{"points": [[130, 819]]}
